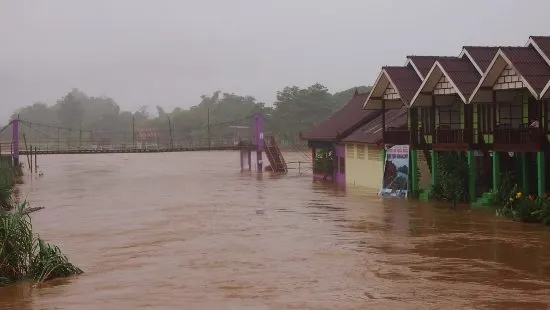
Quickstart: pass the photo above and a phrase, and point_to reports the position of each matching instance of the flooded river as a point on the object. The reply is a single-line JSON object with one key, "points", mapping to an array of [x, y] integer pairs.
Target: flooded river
{"points": [[190, 231]]}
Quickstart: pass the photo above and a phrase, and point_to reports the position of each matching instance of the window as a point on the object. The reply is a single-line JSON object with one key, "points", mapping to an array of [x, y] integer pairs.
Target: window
{"points": [[374, 154], [350, 150], [341, 165], [510, 114], [486, 117], [450, 116], [360, 151], [426, 119]]}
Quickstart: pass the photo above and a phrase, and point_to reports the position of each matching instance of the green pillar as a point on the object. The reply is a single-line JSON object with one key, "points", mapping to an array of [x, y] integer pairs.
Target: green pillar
{"points": [[434, 168], [414, 172], [496, 171], [524, 174], [541, 174], [472, 174]]}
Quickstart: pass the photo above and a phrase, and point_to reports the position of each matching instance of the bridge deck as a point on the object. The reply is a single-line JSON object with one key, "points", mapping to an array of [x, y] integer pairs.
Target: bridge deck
{"points": [[138, 150]]}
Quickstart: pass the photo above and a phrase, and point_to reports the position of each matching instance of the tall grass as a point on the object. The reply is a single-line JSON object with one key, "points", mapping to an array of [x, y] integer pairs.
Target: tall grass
{"points": [[23, 254]]}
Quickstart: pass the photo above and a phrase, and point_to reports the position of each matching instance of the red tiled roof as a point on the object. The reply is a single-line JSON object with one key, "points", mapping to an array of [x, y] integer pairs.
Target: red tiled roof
{"points": [[371, 132], [342, 122], [530, 64], [543, 43], [405, 80], [147, 133], [425, 63], [482, 55], [463, 74]]}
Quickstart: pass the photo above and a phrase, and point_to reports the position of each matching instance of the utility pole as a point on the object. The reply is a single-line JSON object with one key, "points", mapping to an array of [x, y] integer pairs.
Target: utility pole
{"points": [[134, 132], [170, 130], [80, 137], [208, 129], [58, 137]]}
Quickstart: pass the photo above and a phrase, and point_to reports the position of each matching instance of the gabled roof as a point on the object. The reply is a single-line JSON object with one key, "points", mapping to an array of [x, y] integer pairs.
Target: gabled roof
{"points": [[529, 65], [542, 45], [422, 64], [404, 80], [460, 72], [371, 132], [342, 122], [480, 56]]}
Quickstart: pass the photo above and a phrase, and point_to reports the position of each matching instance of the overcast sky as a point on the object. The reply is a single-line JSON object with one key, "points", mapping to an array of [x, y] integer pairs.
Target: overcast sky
{"points": [[168, 53]]}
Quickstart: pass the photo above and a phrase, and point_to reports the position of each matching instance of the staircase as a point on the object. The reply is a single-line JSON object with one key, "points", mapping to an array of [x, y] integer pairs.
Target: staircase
{"points": [[274, 155], [486, 200]]}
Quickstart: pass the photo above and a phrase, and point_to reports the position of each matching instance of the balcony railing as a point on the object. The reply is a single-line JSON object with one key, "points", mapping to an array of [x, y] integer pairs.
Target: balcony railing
{"points": [[397, 136], [517, 139], [453, 136]]}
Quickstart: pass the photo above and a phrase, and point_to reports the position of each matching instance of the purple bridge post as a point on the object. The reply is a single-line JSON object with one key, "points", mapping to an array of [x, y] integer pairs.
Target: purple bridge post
{"points": [[259, 140]]}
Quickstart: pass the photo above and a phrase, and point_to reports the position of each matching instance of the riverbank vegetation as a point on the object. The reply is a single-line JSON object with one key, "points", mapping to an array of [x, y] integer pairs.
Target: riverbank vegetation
{"points": [[23, 255]]}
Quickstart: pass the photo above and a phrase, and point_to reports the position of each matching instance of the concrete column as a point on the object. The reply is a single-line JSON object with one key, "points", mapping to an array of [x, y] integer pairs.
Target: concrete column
{"points": [[541, 174], [496, 171], [414, 172], [249, 152], [241, 153], [472, 174]]}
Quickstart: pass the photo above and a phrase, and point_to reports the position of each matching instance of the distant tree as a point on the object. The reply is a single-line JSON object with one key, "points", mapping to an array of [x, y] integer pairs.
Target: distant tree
{"points": [[70, 110]]}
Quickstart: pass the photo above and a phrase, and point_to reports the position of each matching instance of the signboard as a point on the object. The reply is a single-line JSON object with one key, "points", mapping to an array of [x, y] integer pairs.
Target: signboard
{"points": [[396, 172]]}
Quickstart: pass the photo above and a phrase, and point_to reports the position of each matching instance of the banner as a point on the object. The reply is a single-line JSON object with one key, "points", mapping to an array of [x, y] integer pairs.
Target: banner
{"points": [[396, 172]]}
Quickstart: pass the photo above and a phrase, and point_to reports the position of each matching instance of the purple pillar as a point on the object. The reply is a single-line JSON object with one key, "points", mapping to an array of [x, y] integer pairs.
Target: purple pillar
{"points": [[259, 140], [15, 141]]}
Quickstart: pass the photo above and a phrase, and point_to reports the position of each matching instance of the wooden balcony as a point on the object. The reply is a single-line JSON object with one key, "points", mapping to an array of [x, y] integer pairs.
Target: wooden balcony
{"points": [[397, 136], [447, 139], [517, 139]]}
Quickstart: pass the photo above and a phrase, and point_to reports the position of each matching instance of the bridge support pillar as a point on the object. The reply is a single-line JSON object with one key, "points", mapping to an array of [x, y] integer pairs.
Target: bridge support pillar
{"points": [[249, 153], [242, 159]]}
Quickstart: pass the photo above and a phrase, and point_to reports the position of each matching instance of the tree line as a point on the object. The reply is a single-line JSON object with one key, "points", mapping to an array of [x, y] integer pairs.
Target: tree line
{"points": [[295, 110]]}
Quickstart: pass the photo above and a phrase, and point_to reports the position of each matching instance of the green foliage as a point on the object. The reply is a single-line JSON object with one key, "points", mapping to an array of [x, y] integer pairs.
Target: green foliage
{"points": [[324, 162], [23, 254], [452, 176], [49, 263], [530, 209]]}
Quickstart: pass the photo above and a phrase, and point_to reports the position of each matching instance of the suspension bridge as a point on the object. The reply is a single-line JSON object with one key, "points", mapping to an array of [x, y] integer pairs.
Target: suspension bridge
{"points": [[30, 139]]}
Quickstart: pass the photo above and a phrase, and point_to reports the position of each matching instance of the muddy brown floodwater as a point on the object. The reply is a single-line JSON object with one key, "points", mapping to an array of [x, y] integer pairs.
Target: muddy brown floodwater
{"points": [[190, 231]]}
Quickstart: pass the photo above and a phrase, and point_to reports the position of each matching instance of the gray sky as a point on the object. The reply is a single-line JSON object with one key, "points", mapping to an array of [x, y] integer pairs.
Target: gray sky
{"points": [[168, 53]]}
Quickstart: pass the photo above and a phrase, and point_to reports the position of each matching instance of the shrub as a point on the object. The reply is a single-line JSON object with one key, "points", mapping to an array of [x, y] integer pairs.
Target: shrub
{"points": [[530, 209], [452, 178], [23, 254]]}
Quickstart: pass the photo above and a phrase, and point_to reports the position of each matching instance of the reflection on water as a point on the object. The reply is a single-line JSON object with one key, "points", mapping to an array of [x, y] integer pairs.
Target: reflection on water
{"points": [[190, 231]]}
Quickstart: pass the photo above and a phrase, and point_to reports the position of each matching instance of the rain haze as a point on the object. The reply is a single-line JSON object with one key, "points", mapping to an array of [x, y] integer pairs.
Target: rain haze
{"points": [[168, 53]]}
